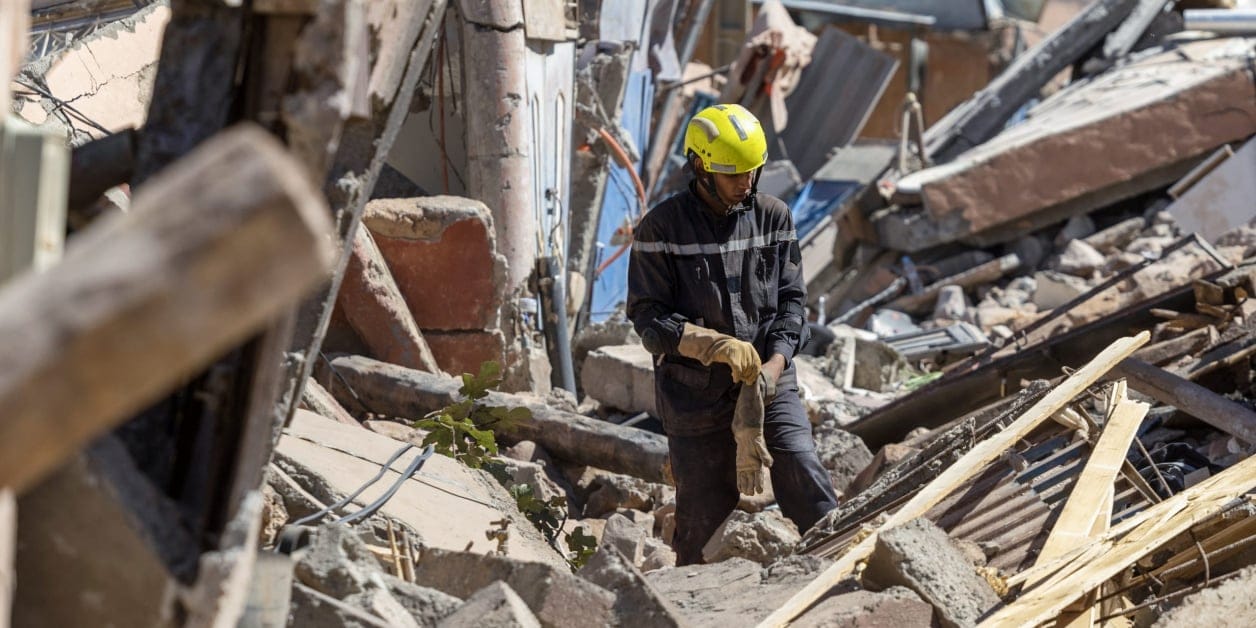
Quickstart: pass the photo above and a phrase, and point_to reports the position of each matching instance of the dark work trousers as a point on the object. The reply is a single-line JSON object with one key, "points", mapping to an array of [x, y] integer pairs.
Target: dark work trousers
{"points": [[705, 470]]}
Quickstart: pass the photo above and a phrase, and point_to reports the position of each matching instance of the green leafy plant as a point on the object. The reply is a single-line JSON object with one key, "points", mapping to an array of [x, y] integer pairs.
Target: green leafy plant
{"points": [[547, 516], [463, 430], [582, 547]]}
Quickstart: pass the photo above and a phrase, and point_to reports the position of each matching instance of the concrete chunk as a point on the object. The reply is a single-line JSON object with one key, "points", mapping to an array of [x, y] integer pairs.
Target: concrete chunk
{"points": [[1154, 118], [494, 606], [555, 596], [1227, 604], [637, 603], [895, 607], [762, 537], [443, 254], [626, 537], [921, 557], [620, 376]]}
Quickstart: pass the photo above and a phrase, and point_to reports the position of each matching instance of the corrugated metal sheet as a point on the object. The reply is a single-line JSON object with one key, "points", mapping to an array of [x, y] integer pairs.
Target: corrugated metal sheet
{"points": [[835, 95]]}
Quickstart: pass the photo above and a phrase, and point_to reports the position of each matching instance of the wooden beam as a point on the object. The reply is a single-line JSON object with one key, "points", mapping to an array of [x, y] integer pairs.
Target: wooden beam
{"points": [[978, 275], [392, 390], [1078, 516], [1191, 342], [211, 250], [1088, 567], [966, 467], [1189, 397]]}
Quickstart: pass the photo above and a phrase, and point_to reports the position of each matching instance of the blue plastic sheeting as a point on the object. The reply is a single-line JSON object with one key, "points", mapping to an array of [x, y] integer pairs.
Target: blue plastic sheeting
{"points": [[620, 205], [818, 199]]}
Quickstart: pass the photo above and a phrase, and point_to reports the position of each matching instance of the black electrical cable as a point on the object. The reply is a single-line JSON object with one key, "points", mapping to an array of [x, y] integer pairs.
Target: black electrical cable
{"points": [[374, 506], [382, 470]]}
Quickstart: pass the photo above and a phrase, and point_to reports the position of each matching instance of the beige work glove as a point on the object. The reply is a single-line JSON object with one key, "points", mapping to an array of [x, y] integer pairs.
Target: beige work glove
{"points": [[752, 451], [707, 346]]}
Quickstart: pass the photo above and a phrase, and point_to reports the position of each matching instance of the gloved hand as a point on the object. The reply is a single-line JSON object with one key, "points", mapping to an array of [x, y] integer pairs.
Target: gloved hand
{"points": [[707, 346], [752, 450]]}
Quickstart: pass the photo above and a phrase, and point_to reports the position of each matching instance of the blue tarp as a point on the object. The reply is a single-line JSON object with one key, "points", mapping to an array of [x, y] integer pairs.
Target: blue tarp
{"points": [[620, 204]]}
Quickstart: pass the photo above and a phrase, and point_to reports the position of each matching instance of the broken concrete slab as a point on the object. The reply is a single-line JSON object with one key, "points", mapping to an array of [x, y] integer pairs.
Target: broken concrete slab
{"points": [[921, 557], [1054, 289], [554, 595], [762, 537], [620, 377], [443, 254], [637, 603], [108, 75], [346, 457], [735, 592], [895, 607], [1155, 117], [494, 606]]}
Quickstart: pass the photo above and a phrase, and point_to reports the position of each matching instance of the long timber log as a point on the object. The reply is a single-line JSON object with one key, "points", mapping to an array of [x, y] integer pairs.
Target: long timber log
{"points": [[393, 390]]}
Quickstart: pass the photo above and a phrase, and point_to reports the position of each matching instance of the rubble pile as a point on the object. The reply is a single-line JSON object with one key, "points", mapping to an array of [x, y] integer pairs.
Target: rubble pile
{"points": [[312, 313]]}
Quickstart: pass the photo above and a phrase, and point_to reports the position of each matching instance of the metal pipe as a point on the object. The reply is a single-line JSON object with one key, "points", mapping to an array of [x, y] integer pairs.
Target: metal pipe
{"points": [[562, 337], [1221, 21]]}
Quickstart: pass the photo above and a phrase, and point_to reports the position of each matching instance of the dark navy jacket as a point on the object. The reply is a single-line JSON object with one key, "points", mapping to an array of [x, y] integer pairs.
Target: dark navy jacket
{"points": [[740, 275]]}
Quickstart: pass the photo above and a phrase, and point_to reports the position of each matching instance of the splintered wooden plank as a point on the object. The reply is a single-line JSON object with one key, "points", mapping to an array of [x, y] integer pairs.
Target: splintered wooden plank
{"points": [[1088, 567], [966, 467], [1094, 484], [1088, 511], [212, 250]]}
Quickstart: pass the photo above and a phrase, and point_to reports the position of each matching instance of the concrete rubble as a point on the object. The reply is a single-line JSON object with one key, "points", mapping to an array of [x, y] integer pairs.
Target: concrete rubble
{"points": [[1027, 239]]}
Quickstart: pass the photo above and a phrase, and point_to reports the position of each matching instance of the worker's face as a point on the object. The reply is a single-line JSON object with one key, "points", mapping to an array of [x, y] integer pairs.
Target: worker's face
{"points": [[733, 188]]}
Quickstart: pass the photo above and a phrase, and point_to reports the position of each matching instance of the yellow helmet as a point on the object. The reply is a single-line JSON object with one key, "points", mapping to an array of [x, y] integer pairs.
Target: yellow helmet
{"points": [[728, 138]]}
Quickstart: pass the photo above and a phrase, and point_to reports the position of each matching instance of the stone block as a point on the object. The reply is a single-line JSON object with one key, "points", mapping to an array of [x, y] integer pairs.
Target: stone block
{"points": [[459, 352], [607, 492], [1055, 289], [762, 537], [842, 453], [626, 537], [621, 377], [1076, 228], [735, 592], [494, 606], [637, 603], [555, 596], [896, 607], [1080, 259], [443, 254], [920, 556], [657, 555]]}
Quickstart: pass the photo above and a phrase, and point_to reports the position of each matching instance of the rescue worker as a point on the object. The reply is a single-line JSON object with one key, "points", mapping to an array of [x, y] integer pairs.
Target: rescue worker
{"points": [[715, 291]]}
